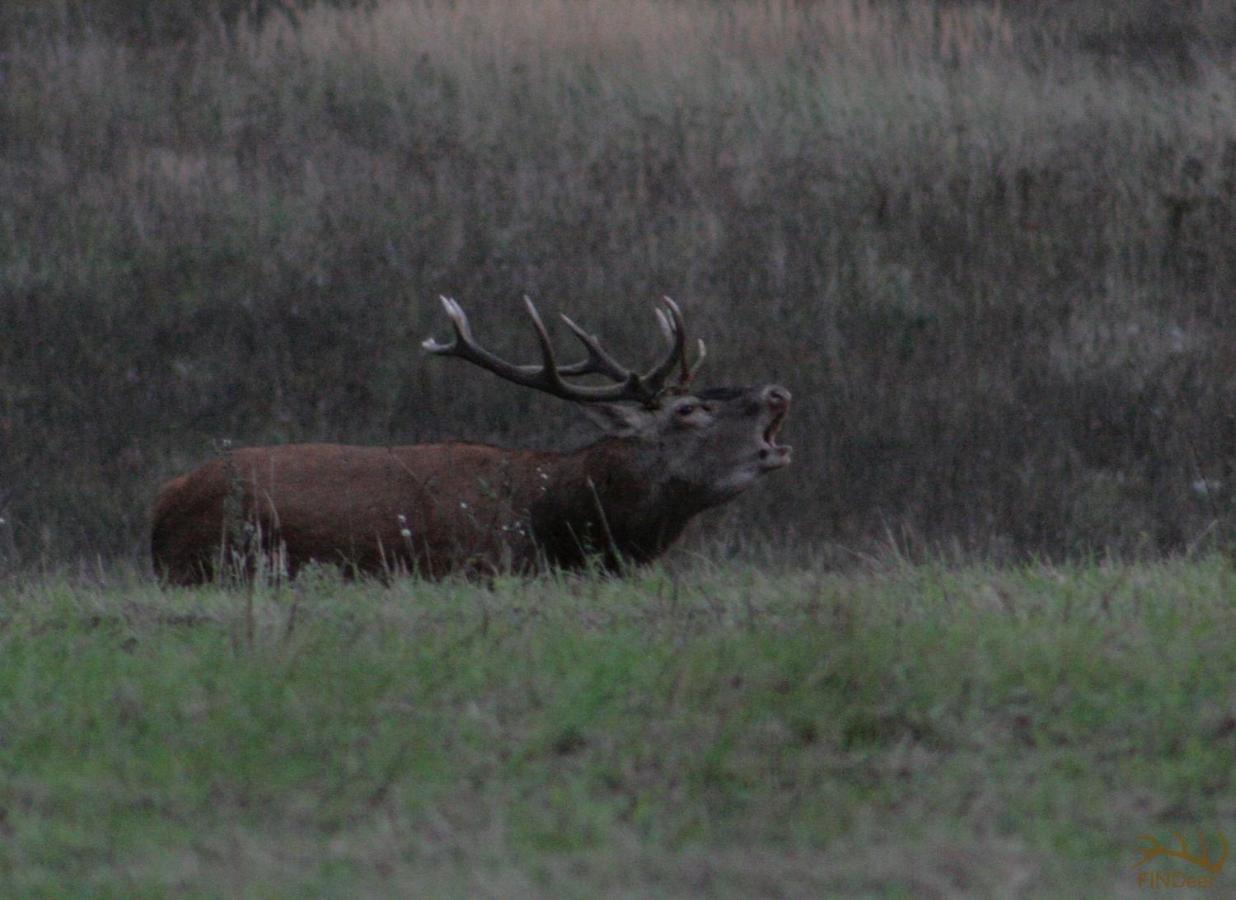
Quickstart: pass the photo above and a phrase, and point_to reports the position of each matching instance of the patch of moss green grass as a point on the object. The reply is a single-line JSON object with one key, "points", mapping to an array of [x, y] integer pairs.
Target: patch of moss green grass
{"points": [[907, 730]]}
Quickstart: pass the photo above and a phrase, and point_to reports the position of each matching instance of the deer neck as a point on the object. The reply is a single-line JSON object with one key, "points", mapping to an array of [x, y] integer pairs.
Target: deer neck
{"points": [[612, 499]]}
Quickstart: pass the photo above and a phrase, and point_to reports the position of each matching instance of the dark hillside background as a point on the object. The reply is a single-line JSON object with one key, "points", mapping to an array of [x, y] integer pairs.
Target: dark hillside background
{"points": [[990, 248]]}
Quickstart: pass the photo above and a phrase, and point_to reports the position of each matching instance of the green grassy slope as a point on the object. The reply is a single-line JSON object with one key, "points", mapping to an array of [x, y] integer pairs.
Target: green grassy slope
{"points": [[908, 730]]}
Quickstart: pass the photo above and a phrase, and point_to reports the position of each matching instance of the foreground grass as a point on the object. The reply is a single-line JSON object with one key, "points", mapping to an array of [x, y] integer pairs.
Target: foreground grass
{"points": [[916, 730]]}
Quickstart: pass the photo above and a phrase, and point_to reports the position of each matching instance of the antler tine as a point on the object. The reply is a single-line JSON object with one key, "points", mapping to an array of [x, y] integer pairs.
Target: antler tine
{"points": [[547, 377], [675, 331], [679, 328], [672, 327], [667, 327], [675, 312], [462, 345], [598, 362], [688, 372], [459, 322], [549, 367]]}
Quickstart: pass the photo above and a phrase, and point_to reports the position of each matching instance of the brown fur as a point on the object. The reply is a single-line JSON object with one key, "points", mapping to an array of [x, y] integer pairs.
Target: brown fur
{"points": [[440, 508]]}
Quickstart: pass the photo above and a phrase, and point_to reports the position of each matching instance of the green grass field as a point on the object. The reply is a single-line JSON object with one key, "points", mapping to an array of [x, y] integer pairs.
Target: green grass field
{"points": [[703, 728]]}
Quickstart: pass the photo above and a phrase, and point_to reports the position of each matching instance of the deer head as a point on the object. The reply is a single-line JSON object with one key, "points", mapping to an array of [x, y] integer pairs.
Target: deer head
{"points": [[706, 447]]}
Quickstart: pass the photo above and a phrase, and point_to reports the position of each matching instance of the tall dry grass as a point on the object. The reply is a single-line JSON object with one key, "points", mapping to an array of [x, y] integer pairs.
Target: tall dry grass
{"points": [[990, 248]]}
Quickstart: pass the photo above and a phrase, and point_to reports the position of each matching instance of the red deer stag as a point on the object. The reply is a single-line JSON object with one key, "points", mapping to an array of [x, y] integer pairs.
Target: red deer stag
{"points": [[439, 508]]}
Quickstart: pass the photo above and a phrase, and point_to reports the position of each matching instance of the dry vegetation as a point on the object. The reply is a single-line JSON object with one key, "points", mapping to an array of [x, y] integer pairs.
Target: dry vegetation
{"points": [[991, 249]]}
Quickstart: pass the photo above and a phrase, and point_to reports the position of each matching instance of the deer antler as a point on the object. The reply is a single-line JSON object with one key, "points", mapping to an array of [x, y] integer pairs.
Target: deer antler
{"points": [[548, 377], [1154, 849]]}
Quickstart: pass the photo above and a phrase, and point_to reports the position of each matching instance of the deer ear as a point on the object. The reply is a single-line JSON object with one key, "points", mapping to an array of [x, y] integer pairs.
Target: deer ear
{"points": [[616, 418]]}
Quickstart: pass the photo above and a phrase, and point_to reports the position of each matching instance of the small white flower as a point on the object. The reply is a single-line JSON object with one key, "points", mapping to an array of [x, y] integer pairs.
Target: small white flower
{"points": [[463, 504], [405, 532], [401, 518]]}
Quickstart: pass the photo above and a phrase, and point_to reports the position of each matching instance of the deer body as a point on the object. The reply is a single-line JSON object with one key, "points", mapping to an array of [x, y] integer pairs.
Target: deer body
{"points": [[464, 507]]}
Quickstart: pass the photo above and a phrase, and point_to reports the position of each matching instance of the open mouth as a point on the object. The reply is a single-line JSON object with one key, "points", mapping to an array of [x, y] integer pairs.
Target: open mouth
{"points": [[773, 454]]}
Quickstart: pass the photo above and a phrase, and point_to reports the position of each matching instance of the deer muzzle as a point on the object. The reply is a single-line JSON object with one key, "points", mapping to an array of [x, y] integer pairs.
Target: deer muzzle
{"points": [[777, 403]]}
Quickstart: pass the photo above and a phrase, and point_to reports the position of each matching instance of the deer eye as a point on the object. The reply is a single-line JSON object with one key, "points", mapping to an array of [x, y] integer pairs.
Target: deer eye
{"points": [[686, 409]]}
